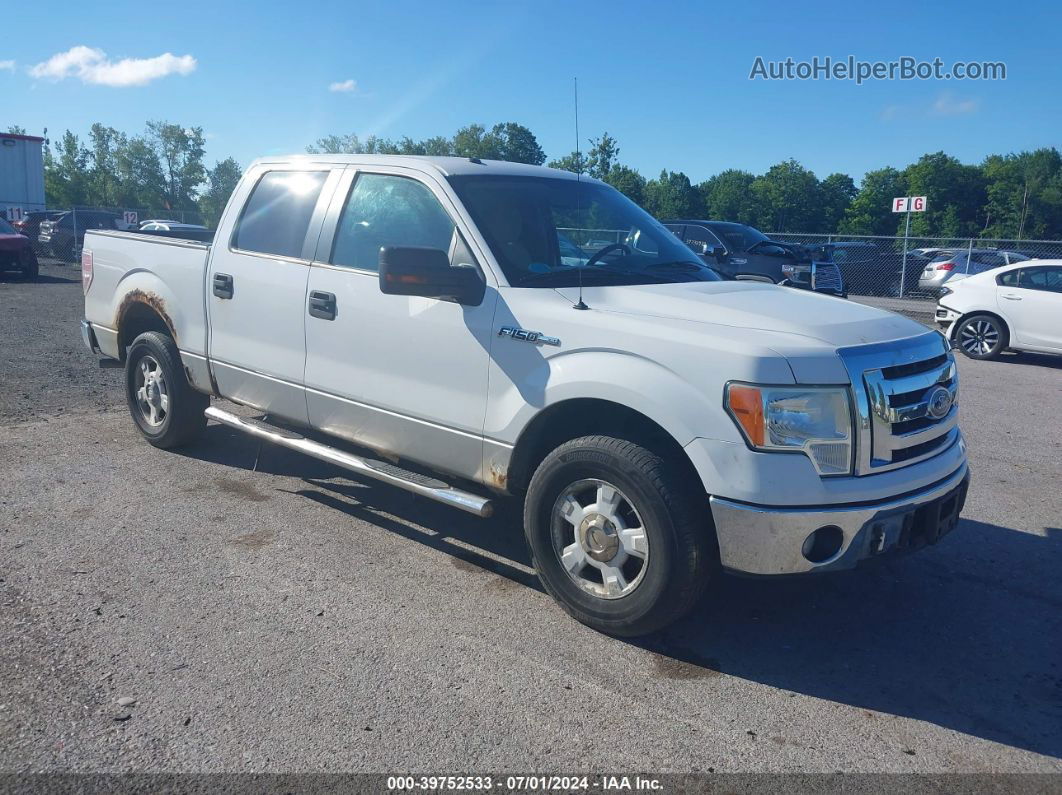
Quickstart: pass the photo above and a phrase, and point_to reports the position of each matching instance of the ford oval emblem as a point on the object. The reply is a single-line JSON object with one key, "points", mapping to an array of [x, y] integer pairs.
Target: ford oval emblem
{"points": [[939, 403]]}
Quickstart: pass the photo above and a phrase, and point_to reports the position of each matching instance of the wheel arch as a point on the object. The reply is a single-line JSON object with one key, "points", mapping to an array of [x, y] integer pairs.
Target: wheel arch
{"points": [[974, 313], [575, 417], [138, 314]]}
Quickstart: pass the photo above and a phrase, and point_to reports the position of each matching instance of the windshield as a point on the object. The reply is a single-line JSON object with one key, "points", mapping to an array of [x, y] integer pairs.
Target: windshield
{"points": [[737, 237], [6, 228], [550, 232]]}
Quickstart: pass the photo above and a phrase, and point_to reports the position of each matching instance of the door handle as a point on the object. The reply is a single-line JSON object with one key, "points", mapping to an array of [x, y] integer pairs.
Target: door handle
{"points": [[223, 286], [322, 305], [1012, 297]]}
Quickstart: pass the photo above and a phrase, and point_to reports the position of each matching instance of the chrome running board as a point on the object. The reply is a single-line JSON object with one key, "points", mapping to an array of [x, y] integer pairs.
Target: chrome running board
{"points": [[378, 470]]}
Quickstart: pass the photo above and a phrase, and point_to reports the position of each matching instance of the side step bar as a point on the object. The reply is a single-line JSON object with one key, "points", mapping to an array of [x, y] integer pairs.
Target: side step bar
{"points": [[378, 470]]}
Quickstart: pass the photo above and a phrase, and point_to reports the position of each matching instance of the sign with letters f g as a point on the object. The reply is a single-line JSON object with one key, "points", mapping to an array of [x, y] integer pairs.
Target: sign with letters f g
{"points": [[909, 204]]}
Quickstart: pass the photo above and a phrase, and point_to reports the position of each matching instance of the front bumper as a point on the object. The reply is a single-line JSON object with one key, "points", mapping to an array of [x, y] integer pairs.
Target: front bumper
{"points": [[759, 539]]}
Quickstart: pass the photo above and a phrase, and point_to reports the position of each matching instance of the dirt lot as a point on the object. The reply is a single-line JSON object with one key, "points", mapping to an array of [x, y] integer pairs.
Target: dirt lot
{"points": [[292, 619]]}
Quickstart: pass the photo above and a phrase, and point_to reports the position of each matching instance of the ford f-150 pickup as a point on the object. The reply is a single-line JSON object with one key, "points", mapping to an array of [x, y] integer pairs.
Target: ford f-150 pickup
{"points": [[421, 322]]}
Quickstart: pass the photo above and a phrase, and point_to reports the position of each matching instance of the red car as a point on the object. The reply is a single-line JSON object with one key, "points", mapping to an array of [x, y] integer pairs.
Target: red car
{"points": [[16, 252]]}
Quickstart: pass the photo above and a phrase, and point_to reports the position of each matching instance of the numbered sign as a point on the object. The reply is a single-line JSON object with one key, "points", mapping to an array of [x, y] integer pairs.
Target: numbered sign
{"points": [[900, 204], [14, 214], [918, 204], [130, 217]]}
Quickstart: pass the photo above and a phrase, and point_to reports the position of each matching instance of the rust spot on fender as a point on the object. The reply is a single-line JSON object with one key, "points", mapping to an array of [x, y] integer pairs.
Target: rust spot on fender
{"points": [[150, 299], [498, 477]]}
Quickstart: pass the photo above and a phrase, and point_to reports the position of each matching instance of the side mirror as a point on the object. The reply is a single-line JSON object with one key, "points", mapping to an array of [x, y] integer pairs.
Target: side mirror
{"points": [[717, 252], [418, 270]]}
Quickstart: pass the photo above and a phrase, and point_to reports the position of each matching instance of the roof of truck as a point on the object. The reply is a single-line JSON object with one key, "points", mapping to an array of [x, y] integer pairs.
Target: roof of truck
{"points": [[447, 166]]}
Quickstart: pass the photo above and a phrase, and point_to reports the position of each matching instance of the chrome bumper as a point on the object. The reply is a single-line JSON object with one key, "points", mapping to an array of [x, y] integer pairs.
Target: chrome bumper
{"points": [[88, 336], [760, 539]]}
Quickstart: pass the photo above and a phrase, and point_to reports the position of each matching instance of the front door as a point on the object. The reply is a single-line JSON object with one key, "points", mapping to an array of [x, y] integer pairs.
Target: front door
{"points": [[256, 288], [403, 375]]}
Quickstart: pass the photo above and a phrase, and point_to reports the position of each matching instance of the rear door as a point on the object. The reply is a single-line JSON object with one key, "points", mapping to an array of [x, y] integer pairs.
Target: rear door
{"points": [[404, 375], [1033, 306], [256, 286]]}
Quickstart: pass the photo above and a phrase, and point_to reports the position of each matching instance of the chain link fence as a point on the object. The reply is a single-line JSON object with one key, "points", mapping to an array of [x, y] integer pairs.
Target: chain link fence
{"points": [[57, 234], [884, 267]]}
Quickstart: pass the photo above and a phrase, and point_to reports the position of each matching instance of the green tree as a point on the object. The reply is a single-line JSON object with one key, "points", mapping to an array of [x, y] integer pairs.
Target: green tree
{"points": [[220, 183], [66, 172], [180, 151], [628, 182], [788, 198], [728, 197], [15, 129], [836, 193], [870, 212], [106, 146], [955, 197], [672, 196], [1023, 194]]}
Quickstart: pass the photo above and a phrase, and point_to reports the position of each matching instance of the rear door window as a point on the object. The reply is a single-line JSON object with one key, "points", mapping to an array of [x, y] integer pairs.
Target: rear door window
{"points": [[1048, 279], [278, 212]]}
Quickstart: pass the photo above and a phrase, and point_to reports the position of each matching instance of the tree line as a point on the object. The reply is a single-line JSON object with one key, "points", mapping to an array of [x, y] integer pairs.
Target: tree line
{"points": [[1012, 196]]}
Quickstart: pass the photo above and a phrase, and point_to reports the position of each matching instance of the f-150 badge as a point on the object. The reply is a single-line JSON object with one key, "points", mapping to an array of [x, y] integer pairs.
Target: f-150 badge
{"points": [[534, 337]]}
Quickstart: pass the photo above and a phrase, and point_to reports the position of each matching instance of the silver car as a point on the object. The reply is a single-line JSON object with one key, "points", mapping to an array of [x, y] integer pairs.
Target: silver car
{"points": [[952, 266]]}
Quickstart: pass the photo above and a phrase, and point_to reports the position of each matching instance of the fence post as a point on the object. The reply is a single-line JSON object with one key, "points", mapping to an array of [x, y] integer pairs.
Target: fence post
{"points": [[73, 244], [906, 232], [969, 255]]}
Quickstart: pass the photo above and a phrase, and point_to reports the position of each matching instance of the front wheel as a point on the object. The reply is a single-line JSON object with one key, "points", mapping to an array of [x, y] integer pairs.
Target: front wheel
{"points": [[165, 407], [982, 336], [30, 266], [618, 535]]}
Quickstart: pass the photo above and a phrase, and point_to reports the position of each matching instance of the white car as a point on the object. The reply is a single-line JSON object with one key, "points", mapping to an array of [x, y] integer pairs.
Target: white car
{"points": [[1016, 307]]}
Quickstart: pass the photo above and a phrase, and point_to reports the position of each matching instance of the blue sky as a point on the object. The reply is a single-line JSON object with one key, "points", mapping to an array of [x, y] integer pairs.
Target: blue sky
{"points": [[668, 80]]}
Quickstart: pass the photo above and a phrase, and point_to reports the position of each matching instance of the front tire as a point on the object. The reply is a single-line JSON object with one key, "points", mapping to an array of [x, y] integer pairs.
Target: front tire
{"points": [[31, 268], [618, 535], [167, 411], [982, 337]]}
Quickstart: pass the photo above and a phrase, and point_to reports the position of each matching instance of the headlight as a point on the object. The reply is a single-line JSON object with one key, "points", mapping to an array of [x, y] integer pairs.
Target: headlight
{"points": [[814, 420]]}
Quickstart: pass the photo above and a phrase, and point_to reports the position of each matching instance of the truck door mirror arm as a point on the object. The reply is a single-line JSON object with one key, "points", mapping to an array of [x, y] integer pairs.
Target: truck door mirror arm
{"points": [[427, 272]]}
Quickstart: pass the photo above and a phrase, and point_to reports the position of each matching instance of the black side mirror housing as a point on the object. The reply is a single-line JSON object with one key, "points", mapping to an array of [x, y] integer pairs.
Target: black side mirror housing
{"points": [[423, 271], [718, 253]]}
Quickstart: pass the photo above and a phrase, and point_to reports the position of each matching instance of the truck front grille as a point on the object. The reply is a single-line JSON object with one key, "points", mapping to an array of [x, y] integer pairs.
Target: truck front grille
{"points": [[906, 396], [825, 276]]}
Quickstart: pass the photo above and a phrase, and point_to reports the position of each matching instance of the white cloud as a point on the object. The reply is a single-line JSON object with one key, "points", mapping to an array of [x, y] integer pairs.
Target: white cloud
{"points": [[947, 105], [91, 65], [344, 86], [7, 66]]}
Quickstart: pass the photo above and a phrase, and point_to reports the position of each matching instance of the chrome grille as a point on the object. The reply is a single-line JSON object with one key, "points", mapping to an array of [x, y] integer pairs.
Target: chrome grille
{"points": [[825, 276], [894, 384]]}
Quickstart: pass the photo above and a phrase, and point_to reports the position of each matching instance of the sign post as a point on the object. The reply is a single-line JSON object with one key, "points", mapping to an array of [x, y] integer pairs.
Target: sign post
{"points": [[907, 204]]}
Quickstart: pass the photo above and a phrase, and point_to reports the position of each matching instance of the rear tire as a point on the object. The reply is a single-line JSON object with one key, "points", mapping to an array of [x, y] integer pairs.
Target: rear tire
{"points": [[982, 337], [167, 411], [584, 507]]}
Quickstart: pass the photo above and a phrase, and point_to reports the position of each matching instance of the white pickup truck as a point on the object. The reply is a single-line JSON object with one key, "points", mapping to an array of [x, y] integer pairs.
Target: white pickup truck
{"points": [[468, 330]]}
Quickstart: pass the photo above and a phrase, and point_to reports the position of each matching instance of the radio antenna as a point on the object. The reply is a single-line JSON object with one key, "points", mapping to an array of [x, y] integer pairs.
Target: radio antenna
{"points": [[578, 186]]}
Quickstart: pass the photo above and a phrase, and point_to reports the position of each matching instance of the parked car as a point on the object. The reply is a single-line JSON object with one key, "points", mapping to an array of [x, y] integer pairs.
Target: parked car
{"points": [[416, 315], [1014, 306], [746, 254], [949, 267], [16, 252], [30, 224], [57, 236]]}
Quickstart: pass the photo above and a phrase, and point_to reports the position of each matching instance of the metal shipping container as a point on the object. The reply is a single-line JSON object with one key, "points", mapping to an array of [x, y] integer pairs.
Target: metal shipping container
{"points": [[21, 174]]}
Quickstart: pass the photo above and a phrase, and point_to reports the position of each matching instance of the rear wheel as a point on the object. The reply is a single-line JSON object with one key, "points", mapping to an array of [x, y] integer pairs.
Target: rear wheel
{"points": [[982, 336], [165, 407], [617, 534]]}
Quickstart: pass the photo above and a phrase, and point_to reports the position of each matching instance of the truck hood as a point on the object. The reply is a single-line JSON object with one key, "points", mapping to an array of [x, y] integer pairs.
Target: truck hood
{"points": [[804, 329], [832, 321]]}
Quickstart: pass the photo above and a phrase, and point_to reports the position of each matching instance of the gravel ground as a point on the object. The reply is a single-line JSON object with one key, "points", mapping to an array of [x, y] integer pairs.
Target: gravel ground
{"points": [[291, 619]]}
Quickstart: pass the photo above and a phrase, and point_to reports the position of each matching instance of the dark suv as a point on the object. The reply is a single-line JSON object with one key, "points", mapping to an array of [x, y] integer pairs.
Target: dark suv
{"points": [[744, 253], [57, 237]]}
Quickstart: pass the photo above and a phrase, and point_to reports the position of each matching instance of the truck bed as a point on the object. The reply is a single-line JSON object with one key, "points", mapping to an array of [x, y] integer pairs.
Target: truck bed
{"points": [[164, 273]]}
